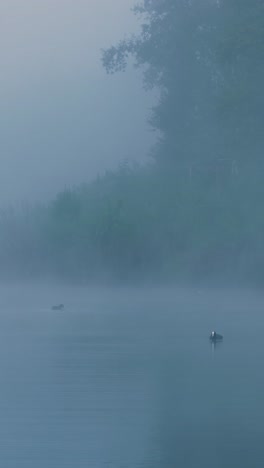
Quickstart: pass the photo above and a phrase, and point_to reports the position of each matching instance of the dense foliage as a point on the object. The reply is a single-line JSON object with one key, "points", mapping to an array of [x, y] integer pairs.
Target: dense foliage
{"points": [[137, 224], [196, 212], [206, 58]]}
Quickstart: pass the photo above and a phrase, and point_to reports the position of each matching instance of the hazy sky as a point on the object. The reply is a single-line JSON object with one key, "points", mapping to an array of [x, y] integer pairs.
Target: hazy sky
{"points": [[62, 119]]}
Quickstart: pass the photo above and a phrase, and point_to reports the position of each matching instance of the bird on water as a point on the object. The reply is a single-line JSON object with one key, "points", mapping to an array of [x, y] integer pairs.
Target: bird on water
{"points": [[215, 336], [58, 307]]}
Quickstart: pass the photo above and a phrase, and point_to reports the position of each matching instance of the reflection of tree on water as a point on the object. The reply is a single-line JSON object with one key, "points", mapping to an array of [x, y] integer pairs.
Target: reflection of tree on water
{"points": [[170, 403], [179, 438], [187, 402]]}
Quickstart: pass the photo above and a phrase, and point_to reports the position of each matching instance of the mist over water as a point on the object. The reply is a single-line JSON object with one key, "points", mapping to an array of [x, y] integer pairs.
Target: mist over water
{"points": [[126, 376], [62, 120], [129, 378]]}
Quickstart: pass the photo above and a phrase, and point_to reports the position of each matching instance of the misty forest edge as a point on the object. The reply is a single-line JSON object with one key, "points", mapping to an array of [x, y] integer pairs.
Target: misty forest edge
{"points": [[195, 211]]}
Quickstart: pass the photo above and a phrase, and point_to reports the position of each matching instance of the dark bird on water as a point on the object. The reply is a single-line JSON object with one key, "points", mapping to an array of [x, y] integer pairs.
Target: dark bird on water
{"points": [[215, 336], [58, 307]]}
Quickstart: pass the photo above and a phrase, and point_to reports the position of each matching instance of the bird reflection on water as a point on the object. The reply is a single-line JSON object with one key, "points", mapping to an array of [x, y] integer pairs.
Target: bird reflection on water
{"points": [[215, 344]]}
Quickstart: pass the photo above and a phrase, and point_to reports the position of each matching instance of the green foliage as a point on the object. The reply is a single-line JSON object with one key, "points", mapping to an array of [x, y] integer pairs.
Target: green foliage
{"points": [[197, 211], [174, 50], [239, 57], [206, 59], [142, 224]]}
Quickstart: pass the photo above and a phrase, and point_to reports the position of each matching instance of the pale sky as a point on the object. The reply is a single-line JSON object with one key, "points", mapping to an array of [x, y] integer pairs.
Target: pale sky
{"points": [[62, 119]]}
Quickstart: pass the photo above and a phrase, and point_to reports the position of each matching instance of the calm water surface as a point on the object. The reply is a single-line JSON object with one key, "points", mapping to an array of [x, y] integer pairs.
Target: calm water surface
{"points": [[128, 379]]}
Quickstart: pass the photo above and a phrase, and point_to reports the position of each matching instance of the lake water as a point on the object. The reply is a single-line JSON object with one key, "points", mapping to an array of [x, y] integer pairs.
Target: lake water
{"points": [[128, 378]]}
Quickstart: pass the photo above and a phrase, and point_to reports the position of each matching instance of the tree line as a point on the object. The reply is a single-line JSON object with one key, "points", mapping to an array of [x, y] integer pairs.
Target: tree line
{"points": [[196, 210]]}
